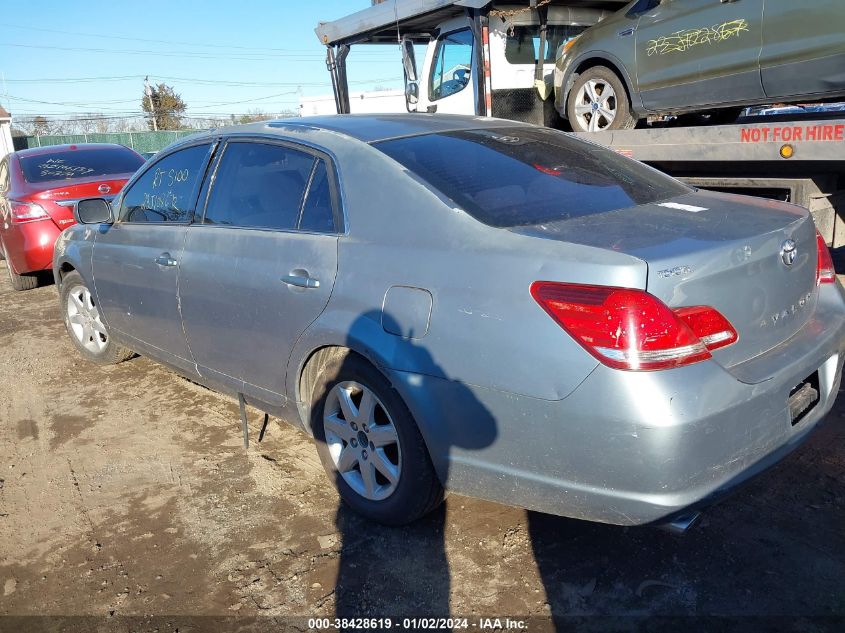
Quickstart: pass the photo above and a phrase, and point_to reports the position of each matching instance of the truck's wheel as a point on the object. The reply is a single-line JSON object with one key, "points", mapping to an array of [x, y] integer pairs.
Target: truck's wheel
{"points": [[370, 445], [598, 101]]}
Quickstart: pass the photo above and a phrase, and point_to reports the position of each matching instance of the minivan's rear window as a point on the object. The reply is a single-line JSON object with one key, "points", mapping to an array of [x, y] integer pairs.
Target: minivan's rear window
{"points": [[519, 176], [81, 163]]}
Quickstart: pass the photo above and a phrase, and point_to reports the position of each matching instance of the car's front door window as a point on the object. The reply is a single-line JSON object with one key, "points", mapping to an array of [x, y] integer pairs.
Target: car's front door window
{"points": [[166, 192]]}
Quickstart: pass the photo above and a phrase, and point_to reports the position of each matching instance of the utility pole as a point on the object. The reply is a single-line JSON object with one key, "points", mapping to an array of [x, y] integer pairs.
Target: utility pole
{"points": [[149, 92]]}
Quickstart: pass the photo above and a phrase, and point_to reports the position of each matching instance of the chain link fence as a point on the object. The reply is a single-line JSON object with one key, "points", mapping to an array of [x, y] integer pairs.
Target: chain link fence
{"points": [[139, 141]]}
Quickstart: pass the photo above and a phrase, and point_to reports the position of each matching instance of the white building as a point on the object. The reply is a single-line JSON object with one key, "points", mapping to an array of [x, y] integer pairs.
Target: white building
{"points": [[374, 102], [5, 133]]}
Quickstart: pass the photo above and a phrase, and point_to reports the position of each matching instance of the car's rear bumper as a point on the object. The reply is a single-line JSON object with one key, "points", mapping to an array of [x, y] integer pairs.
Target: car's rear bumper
{"points": [[29, 246], [632, 448]]}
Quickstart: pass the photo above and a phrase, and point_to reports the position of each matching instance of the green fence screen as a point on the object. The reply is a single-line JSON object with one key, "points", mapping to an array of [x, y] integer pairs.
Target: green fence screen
{"points": [[139, 141]]}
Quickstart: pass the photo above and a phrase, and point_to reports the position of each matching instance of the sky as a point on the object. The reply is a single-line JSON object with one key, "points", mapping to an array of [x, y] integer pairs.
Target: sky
{"points": [[61, 59]]}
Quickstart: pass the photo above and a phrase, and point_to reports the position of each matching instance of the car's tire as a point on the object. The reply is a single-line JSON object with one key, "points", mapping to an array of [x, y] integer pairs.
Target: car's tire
{"points": [[394, 445], [84, 326], [598, 101], [19, 282]]}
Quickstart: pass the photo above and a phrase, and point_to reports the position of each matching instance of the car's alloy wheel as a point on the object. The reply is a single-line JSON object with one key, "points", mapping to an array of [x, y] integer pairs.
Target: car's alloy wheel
{"points": [[85, 324], [83, 317], [362, 440], [368, 441], [599, 101], [595, 105]]}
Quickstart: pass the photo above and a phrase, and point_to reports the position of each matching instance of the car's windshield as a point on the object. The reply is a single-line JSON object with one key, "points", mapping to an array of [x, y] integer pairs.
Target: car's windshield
{"points": [[519, 176], [83, 163]]}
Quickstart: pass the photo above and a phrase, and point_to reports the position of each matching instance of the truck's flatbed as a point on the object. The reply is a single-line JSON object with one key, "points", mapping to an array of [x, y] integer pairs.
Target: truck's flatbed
{"points": [[755, 139]]}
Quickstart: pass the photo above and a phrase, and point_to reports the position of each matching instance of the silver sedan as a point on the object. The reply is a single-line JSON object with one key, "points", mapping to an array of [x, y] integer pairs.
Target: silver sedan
{"points": [[469, 304]]}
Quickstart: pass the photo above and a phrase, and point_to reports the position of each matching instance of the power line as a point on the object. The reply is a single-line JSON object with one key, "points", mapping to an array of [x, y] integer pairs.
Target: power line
{"points": [[74, 79], [295, 57], [198, 81], [281, 94], [216, 46]]}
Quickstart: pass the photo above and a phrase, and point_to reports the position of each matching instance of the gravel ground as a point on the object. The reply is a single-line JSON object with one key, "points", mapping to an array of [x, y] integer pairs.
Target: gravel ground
{"points": [[125, 491]]}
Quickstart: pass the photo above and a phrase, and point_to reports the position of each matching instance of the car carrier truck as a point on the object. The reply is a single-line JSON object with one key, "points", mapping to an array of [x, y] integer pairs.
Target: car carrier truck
{"points": [[488, 58]]}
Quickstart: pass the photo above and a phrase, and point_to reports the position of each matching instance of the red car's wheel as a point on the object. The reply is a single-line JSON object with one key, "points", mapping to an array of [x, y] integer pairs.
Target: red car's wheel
{"points": [[20, 282]]}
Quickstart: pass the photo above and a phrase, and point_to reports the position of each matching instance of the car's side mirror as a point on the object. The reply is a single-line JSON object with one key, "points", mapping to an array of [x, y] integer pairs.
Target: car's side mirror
{"points": [[409, 63], [412, 92], [93, 211]]}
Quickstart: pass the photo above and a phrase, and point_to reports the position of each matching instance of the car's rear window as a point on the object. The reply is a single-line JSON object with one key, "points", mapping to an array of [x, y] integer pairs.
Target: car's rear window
{"points": [[520, 176], [81, 163]]}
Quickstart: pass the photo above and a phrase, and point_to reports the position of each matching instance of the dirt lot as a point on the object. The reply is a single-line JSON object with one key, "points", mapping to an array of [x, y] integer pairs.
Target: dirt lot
{"points": [[126, 491]]}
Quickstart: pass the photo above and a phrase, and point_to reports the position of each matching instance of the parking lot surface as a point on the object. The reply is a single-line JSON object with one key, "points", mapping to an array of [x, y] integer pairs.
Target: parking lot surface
{"points": [[126, 490]]}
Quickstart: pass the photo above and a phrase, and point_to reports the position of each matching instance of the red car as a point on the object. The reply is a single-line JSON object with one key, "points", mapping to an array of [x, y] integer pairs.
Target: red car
{"points": [[38, 190]]}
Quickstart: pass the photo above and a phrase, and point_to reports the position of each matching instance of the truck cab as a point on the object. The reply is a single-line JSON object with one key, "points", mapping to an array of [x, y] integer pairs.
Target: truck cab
{"points": [[514, 40]]}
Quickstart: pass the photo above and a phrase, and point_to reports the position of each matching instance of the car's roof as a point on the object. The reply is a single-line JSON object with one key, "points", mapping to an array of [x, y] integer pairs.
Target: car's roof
{"points": [[369, 128], [378, 127], [56, 149]]}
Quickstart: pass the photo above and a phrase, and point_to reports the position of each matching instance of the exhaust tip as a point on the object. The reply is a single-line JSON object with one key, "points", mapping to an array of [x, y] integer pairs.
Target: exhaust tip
{"points": [[682, 523]]}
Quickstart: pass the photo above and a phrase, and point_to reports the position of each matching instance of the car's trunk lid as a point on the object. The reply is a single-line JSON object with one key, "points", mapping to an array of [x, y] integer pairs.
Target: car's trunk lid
{"points": [[718, 250], [59, 198]]}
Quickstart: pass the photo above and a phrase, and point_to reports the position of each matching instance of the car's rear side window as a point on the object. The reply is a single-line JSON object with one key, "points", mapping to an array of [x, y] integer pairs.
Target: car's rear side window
{"points": [[81, 163], [524, 175], [166, 192], [270, 186], [317, 214]]}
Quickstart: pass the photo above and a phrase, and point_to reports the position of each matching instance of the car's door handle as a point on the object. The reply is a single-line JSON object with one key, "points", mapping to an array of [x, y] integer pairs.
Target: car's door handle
{"points": [[300, 279], [165, 260], [630, 31]]}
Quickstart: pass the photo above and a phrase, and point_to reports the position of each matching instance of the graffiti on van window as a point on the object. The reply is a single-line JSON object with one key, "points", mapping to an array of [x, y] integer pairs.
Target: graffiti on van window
{"points": [[58, 168], [681, 41]]}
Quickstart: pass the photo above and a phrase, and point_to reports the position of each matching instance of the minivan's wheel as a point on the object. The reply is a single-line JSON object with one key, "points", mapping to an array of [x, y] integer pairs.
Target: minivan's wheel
{"points": [[598, 101], [369, 443], [20, 282], [83, 322]]}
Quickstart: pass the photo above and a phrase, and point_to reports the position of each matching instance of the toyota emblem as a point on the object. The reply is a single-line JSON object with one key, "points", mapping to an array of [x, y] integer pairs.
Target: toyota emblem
{"points": [[788, 252], [104, 188]]}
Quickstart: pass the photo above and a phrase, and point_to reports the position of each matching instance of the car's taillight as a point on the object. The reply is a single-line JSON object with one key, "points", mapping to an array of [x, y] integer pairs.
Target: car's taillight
{"points": [[26, 212], [708, 324], [631, 329], [825, 273]]}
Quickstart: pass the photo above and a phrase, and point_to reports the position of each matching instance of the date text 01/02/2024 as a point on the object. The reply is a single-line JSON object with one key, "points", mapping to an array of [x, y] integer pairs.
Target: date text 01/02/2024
{"points": [[480, 624]]}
